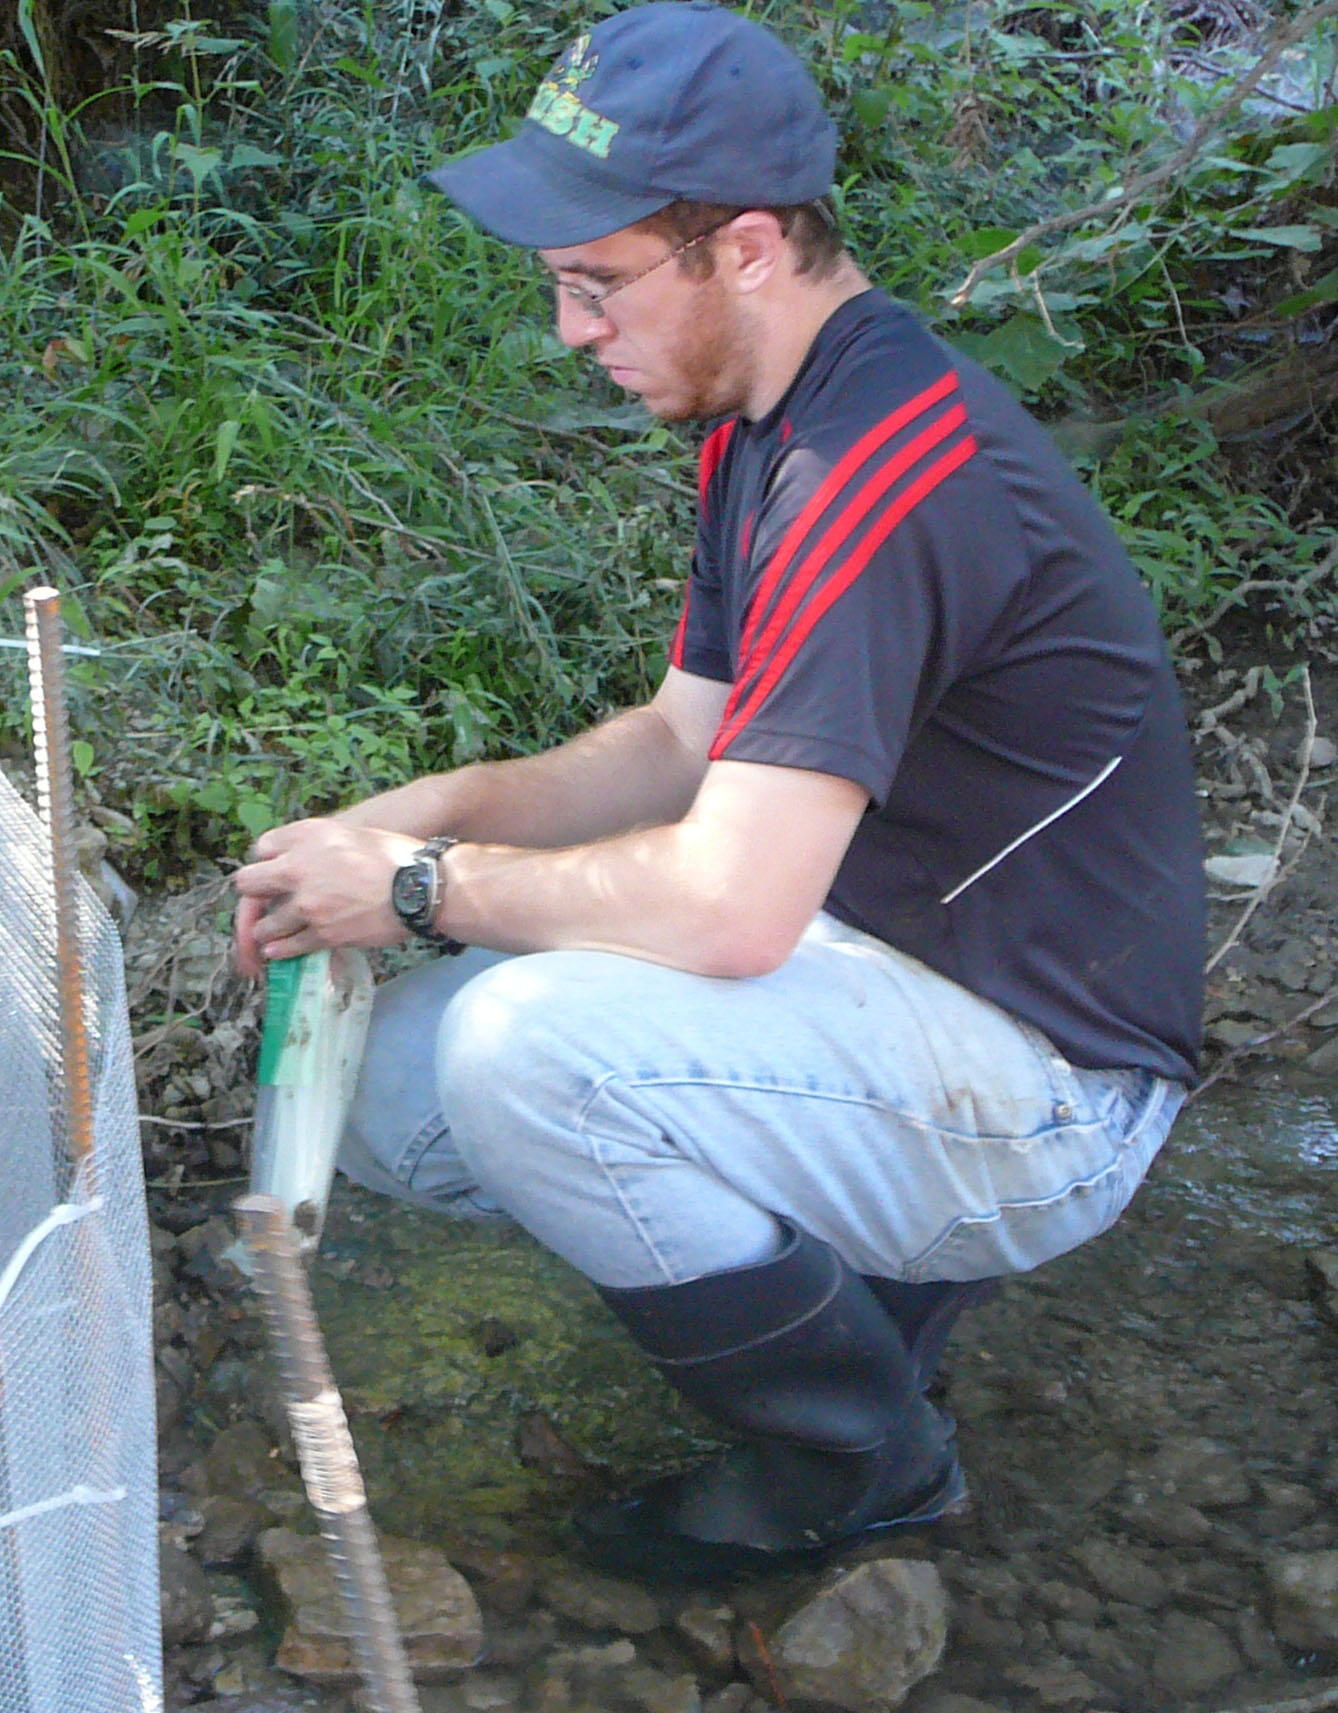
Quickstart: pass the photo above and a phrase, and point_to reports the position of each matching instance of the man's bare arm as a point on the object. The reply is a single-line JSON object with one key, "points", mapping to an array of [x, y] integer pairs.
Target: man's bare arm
{"points": [[726, 890], [641, 768]]}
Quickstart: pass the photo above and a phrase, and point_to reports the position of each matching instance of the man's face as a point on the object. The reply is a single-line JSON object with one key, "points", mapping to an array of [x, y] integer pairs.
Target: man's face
{"points": [[670, 336]]}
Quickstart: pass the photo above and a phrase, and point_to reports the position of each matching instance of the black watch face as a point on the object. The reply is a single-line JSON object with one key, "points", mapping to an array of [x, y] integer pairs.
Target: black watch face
{"points": [[411, 890]]}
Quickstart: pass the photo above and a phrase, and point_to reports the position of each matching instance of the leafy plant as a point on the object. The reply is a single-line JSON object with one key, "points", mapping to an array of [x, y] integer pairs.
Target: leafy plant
{"points": [[299, 446]]}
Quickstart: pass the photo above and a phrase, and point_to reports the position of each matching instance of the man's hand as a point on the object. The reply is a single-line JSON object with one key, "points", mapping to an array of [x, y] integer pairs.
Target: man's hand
{"points": [[316, 884]]}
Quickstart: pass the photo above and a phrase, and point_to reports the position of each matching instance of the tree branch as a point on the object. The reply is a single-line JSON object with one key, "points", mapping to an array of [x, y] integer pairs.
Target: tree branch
{"points": [[1283, 36]]}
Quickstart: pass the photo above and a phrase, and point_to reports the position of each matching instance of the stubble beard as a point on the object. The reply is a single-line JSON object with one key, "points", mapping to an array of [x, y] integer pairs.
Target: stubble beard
{"points": [[712, 362]]}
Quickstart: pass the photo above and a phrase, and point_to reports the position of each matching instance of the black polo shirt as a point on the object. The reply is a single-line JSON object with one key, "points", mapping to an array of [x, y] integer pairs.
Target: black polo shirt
{"points": [[908, 587]]}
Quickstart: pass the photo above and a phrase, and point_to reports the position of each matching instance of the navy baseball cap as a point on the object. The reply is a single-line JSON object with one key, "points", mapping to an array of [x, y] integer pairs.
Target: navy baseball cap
{"points": [[677, 99]]}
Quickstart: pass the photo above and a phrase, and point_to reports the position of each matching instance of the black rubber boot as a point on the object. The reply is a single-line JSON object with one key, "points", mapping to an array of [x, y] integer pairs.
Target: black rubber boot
{"points": [[925, 1314], [796, 1356]]}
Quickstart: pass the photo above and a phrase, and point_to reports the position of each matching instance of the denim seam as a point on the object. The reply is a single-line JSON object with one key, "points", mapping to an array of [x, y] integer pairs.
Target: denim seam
{"points": [[978, 1221], [597, 1157], [430, 1131], [914, 1120]]}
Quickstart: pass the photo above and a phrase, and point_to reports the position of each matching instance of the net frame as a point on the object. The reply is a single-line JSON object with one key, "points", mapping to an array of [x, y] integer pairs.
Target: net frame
{"points": [[79, 1587]]}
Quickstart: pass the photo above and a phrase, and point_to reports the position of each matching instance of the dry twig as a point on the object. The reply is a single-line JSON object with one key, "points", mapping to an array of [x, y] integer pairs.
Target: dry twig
{"points": [[1264, 585], [1237, 1053], [1298, 29], [1266, 885]]}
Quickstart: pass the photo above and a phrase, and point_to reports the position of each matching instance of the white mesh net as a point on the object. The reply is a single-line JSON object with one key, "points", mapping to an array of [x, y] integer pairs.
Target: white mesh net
{"points": [[79, 1602]]}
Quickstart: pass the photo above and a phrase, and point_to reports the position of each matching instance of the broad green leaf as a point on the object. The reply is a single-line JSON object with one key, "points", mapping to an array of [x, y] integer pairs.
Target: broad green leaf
{"points": [[283, 33], [224, 441], [247, 155], [870, 106], [142, 219], [1021, 350], [1324, 290], [859, 43], [1100, 244], [257, 815], [214, 794], [1285, 237], [1294, 161], [199, 163], [985, 241], [81, 754]]}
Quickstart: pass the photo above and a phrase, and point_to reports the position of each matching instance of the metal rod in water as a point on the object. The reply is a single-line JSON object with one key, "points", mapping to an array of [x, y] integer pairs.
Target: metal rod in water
{"points": [[326, 1452], [55, 801]]}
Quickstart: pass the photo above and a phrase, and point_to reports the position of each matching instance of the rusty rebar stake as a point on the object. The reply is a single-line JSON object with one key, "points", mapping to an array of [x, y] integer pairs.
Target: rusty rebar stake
{"points": [[55, 803]]}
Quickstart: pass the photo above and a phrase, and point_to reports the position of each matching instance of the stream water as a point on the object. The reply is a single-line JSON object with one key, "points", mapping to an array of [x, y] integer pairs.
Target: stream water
{"points": [[1148, 1425]]}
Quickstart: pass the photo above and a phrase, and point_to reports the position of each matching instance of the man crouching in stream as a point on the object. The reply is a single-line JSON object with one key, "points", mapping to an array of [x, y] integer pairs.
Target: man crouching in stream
{"points": [[859, 967]]}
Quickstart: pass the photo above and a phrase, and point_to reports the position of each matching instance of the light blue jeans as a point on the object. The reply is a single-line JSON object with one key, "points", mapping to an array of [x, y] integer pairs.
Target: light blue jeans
{"points": [[647, 1124]]}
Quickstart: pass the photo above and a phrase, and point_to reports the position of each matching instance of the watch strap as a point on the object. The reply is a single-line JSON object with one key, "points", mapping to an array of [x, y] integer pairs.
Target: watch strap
{"points": [[431, 851]]}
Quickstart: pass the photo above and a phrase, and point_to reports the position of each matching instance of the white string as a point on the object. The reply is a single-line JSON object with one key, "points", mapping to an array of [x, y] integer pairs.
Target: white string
{"points": [[65, 1213], [76, 1496], [1031, 832]]}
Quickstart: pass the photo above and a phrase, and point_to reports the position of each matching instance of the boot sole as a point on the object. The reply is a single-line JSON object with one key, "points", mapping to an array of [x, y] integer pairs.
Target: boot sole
{"points": [[683, 1560]]}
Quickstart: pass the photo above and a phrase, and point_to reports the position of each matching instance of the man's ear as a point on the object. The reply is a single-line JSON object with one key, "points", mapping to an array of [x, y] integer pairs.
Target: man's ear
{"points": [[757, 247]]}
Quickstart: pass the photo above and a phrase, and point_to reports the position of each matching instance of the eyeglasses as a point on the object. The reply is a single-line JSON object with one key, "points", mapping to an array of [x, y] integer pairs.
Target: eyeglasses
{"points": [[592, 303]]}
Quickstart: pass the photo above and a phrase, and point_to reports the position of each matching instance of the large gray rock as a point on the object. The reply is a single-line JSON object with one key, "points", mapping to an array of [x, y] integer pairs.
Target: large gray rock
{"points": [[439, 1619], [1193, 1656], [1121, 1572], [1304, 1590], [598, 1602], [860, 1642], [1199, 1471], [186, 1597], [707, 1631]]}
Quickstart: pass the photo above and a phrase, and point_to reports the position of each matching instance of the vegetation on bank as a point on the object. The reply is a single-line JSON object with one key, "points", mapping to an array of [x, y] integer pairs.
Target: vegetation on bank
{"points": [[316, 479]]}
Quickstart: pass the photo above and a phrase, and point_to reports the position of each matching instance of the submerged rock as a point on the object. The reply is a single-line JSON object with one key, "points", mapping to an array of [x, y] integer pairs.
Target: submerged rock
{"points": [[1193, 1656], [1322, 1268], [598, 1602], [1199, 1471], [1304, 1590], [439, 1619], [861, 1642], [187, 1598]]}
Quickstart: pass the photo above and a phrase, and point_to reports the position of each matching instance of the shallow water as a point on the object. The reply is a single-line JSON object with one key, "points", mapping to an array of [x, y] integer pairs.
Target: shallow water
{"points": [[1146, 1424]]}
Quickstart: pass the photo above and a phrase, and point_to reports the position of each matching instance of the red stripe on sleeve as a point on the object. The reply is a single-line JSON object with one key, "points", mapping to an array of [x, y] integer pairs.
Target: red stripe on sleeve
{"points": [[676, 648], [837, 532], [826, 597], [831, 486], [713, 450]]}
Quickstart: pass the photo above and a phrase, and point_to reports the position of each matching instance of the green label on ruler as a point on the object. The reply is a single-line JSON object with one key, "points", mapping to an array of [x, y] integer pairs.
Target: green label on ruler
{"points": [[293, 986]]}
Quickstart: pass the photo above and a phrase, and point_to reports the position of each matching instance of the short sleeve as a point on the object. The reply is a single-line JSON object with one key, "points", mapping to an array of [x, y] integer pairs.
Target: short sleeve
{"points": [[879, 571]]}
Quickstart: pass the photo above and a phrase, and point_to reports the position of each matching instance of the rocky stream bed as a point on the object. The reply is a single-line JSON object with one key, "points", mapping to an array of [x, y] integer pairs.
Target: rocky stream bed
{"points": [[1149, 1426]]}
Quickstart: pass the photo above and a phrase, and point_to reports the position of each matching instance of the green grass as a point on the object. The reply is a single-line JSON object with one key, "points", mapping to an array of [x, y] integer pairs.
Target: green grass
{"points": [[299, 448]]}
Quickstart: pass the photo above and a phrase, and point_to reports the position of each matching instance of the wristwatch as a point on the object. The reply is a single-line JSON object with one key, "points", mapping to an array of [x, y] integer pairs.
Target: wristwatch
{"points": [[415, 894]]}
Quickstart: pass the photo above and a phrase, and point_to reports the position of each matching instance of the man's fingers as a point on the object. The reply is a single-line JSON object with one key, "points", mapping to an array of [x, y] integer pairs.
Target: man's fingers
{"points": [[264, 924], [292, 946], [263, 878], [286, 838], [249, 961]]}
